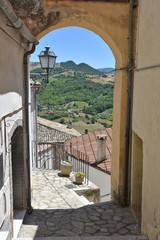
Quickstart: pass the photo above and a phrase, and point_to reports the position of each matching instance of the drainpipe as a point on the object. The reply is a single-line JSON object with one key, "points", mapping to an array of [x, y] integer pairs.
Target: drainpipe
{"points": [[26, 119], [36, 128], [128, 131]]}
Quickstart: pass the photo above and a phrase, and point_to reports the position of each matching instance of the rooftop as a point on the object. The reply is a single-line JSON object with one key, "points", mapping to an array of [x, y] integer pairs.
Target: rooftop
{"points": [[87, 144], [59, 127]]}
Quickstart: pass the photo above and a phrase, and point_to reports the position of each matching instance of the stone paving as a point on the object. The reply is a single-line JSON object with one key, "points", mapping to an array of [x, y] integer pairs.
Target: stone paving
{"points": [[50, 192], [58, 214]]}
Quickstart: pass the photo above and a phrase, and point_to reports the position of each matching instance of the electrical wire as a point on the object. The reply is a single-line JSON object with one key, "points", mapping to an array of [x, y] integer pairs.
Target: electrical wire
{"points": [[135, 69], [146, 68]]}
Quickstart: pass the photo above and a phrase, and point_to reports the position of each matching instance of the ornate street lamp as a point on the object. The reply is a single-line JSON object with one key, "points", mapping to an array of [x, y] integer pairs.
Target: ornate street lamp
{"points": [[47, 59]]}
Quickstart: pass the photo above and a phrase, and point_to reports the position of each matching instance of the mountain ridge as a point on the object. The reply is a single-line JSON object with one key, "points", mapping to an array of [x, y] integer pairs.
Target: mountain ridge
{"points": [[82, 67], [106, 70], [71, 65]]}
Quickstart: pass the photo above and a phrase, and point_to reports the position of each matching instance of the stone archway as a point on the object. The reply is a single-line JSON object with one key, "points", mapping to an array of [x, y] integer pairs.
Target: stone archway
{"points": [[110, 20]]}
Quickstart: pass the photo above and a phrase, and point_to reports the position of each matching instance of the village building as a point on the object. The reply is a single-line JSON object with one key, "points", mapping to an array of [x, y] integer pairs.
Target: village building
{"points": [[99, 152], [131, 29]]}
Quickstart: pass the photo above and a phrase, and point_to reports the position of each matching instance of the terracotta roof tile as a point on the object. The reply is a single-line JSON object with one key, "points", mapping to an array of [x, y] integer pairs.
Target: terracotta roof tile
{"points": [[87, 144]]}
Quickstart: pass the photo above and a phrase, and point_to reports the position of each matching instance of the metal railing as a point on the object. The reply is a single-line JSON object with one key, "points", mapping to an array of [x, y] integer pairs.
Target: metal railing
{"points": [[51, 150], [79, 160], [50, 156]]}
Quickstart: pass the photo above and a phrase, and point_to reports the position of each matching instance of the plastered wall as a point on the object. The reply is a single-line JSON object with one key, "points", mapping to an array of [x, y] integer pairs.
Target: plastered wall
{"points": [[11, 95], [146, 112], [11, 68]]}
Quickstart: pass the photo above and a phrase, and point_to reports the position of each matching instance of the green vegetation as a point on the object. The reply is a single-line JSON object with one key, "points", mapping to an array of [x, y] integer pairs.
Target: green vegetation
{"points": [[81, 126], [82, 67], [79, 174], [37, 70], [71, 95]]}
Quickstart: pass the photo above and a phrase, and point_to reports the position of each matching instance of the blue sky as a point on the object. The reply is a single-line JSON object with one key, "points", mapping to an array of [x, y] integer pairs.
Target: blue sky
{"points": [[77, 44]]}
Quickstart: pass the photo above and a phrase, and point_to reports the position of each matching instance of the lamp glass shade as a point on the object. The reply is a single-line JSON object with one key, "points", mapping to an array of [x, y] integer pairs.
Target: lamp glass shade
{"points": [[44, 61], [47, 61], [47, 58], [52, 60]]}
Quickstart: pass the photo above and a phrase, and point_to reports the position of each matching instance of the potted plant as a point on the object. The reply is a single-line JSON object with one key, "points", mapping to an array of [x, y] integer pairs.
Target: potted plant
{"points": [[79, 176]]}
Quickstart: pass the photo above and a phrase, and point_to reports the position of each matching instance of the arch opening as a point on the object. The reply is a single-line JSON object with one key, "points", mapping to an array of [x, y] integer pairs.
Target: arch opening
{"points": [[92, 28], [57, 78]]}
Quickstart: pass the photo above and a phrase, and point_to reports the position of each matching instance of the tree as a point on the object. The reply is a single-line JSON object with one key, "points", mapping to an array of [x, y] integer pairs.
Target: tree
{"points": [[62, 121], [93, 120]]}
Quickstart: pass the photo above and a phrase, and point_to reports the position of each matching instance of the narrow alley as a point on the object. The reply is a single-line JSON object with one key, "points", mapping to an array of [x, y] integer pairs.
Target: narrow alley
{"points": [[59, 213]]}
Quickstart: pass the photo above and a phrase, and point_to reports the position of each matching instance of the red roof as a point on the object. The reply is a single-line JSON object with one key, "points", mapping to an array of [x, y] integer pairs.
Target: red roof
{"points": [[87, 144]]}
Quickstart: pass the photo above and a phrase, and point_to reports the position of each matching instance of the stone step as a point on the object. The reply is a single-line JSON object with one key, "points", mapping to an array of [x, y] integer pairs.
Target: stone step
{"points": [[81, 198], [17, 221], [85, 200], [4, 235], [23, 238], [129, 237]]}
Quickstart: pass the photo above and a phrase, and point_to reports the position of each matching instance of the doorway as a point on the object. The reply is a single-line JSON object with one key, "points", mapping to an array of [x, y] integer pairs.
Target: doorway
{"points": [[18, 169], [18, 180]]}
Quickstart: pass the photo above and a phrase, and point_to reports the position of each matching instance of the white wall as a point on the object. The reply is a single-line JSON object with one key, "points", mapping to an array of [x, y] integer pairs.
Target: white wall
{"points": [[11, 95], [98, 177], [101, 180]]}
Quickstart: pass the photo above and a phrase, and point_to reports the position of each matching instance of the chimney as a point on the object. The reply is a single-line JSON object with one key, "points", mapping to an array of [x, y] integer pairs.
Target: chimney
{"points": [[69, 125], [86, 131], [101, 147]]}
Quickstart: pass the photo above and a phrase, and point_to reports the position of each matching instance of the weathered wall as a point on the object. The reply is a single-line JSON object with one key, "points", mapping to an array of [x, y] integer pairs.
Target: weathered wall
{"points": [[11, 95], [107, 19], [11, 77], [146, 112]]}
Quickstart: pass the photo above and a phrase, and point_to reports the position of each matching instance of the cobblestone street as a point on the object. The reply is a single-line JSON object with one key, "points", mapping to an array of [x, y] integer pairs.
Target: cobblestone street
{"points": [[58, 213]]}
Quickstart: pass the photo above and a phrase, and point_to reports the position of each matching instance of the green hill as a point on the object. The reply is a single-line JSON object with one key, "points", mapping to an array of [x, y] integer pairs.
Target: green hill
{"points": [[106, 70], [82, 67], [63, 66], [72, 95], [62, 90], [36, 70]]}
